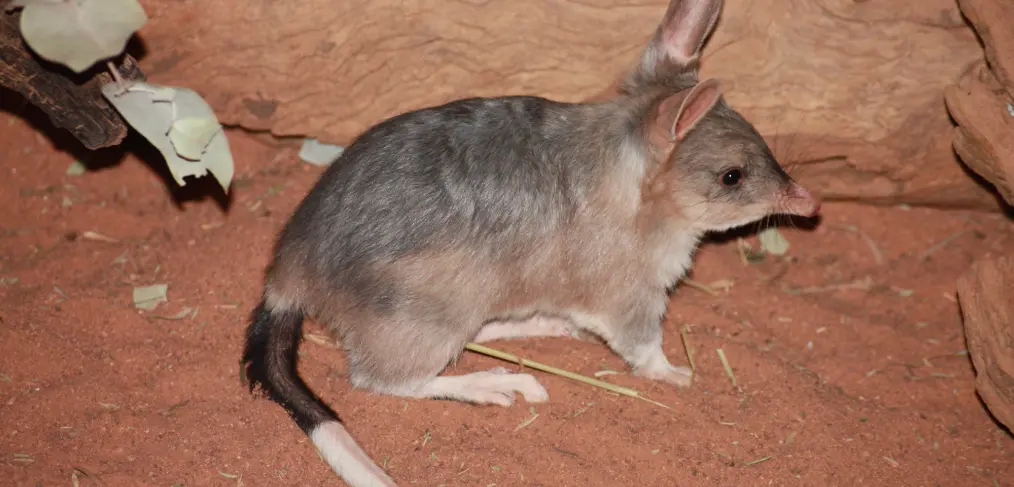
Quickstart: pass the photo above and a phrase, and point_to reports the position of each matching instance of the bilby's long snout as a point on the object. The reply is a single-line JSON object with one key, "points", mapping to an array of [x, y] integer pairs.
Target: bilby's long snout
{"points": [[797, 200]]}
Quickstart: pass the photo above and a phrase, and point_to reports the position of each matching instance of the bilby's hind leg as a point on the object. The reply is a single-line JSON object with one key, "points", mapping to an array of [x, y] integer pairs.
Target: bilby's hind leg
{"points": [[494, 386], [536, 326], [404, 358]]}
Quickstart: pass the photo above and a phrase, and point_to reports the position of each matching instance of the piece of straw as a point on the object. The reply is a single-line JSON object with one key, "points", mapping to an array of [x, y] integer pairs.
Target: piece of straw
{"points": [[755, 462], [492, 352], [725, 365], [687, 348], [700, 286]]}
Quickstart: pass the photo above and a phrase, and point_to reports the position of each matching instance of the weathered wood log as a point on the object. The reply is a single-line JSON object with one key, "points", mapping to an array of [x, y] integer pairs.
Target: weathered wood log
{"points": [[985, 292], [853, 87], [71, 102]]}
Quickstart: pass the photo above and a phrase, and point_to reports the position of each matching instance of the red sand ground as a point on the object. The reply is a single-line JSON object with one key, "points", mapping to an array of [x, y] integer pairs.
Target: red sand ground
{"points": [[838, 385]]}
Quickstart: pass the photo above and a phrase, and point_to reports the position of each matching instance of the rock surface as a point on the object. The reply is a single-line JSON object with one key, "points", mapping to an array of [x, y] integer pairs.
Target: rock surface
{"points": [[985, 118], [981, 103], [848, 93], [985, 292], [993, 21]]}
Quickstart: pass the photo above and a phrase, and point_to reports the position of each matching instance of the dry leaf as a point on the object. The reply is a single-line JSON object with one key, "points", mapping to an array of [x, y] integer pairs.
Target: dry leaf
{"points": [[180, 124], [148, 297], [191, 136], [773, 242], [76, 169], [79, 33], [319, 154]]}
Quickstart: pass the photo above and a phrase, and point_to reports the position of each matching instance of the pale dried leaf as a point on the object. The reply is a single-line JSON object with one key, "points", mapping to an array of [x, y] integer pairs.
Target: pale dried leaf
{"points": [[76, 169], [148, 297], [773, 242], [318, 153], [79, 33], [191, 136], [180, 124]]}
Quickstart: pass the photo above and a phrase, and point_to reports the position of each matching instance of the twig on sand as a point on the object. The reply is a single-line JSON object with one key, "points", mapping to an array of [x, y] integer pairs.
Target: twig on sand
{"points": [[492, 352], [725, 365], [755, 462], [700, 286], [687, 348], [941, 244], [863, 284], [878, 256]]}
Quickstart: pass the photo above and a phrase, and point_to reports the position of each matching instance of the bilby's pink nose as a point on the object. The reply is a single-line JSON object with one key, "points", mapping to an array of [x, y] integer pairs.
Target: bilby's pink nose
{"points": [[815, 209], [797, 200]]}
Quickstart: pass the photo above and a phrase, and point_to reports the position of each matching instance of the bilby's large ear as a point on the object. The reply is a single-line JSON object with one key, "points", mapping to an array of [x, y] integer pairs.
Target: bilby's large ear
{"points": [[676, 115], [681, 34]]}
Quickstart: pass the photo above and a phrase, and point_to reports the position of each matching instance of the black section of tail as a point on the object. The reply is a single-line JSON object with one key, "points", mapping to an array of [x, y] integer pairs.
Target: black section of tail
{"points": [[270, 358]]}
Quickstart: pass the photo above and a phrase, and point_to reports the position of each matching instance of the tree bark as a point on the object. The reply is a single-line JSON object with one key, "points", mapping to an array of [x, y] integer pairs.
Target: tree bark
{"points": [[71, 102]]}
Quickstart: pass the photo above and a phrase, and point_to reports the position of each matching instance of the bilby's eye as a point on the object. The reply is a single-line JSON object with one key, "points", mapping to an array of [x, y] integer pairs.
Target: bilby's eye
{"points": [[732, 177]]}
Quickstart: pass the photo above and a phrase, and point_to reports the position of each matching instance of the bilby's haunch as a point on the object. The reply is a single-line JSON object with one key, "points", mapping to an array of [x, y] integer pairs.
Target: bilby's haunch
{"points": [[498, 218]]}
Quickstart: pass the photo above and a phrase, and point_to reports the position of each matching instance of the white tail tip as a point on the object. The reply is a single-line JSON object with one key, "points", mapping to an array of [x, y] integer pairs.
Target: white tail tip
{"points": [[346, 458]]}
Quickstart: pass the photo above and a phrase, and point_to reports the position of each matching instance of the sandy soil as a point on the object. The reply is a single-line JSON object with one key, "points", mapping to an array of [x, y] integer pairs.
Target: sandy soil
{"points": [[848, 352]]}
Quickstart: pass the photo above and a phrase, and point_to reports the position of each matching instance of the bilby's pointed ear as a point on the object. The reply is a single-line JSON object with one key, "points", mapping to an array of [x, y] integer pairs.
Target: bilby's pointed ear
{"points": [[682, 32], [676, 115]]}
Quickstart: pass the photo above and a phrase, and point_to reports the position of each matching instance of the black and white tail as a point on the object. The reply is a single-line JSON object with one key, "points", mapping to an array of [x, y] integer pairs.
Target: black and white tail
{"points": [[272, 340]]}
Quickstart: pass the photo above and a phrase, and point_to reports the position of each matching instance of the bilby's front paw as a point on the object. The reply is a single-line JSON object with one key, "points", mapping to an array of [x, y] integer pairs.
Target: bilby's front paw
{"points": [[679, 376]]}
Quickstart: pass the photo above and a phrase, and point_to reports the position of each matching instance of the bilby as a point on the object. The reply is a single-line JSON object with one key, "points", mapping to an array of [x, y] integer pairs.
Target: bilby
{"points": [[495, 218]]}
